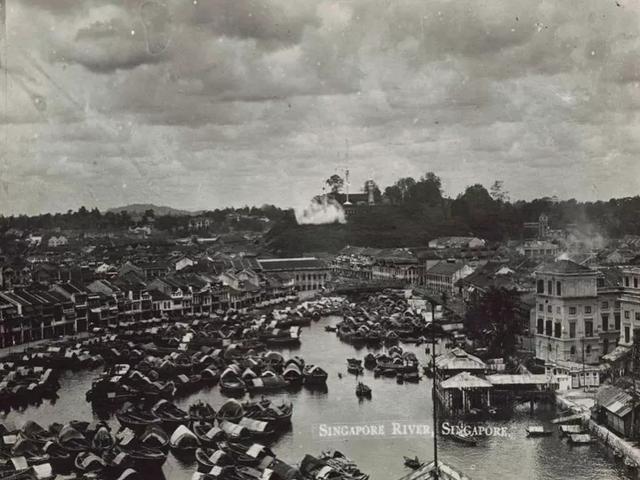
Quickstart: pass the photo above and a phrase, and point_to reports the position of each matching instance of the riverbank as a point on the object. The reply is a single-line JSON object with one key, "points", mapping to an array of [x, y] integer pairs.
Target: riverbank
{"points": [[580, 403]]}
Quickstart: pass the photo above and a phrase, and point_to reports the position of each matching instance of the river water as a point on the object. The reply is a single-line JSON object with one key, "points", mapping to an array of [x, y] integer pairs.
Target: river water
{"points": [[513, 456]]}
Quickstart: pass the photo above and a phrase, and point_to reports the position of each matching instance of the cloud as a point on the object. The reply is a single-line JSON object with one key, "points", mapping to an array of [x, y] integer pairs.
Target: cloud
{"points": [[209, 103]]}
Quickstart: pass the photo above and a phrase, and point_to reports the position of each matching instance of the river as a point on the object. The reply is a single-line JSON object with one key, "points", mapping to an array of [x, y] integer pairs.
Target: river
{"points": [[496, 457]]}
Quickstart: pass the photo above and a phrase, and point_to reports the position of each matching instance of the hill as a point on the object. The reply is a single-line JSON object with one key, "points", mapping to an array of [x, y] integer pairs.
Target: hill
{"points": [[140, 208]]}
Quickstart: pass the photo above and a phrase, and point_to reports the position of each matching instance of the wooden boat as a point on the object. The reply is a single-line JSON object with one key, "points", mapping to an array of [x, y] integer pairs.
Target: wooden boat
{"points": [[36, 433], [363, 391], [314, 375], [72, 440], [144, 458], [579, 439], [464, 439], [60, 458], [538, 431], [208, 434], [248, 454], [170, 415], [231, 383], [293, 374], [202, 412], [412, 463], [233, 431], [231, 410], [183, 440], [256, 428], [137, 419], [354, 366], [570, 430], [154, 437], [102, 440], [208, 458], [329, 328], [89, 462]]}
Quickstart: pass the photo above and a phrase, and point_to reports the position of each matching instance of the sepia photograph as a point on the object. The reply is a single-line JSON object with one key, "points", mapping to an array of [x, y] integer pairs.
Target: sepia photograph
{"points": [[319, 239]]}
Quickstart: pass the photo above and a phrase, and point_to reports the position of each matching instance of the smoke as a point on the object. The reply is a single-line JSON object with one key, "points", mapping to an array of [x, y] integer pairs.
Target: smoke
{"points": [[320, 212]]}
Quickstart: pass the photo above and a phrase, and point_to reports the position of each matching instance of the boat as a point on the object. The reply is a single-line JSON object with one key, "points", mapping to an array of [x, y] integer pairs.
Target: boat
{"points": [[59, 458], [570, 430], [248, 454], [183, 440], [202, 412], [256, 428], [231, 382], [170, 415], [579, 439], [137, 419], [154, 437], [538, 431], [464, 439], [314, 375], [231, 410], [144, 458], [363, 391], [36, 433], [102, 439], [207, 433], [330, 328], [233, 431], [293, 374], [72, 440], [412, 463], [354, 366], [89, 462], [209, 458]]}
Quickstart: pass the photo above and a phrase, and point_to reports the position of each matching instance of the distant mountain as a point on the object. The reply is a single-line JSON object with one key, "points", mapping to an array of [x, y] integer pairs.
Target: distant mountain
{"points": [[140, 208]]}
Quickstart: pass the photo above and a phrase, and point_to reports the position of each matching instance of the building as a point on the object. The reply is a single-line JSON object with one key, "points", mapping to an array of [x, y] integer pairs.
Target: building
{"points": [[567, 323], [538, 249], [442, 277], [310, 273], [457, 242], [59, 241]]}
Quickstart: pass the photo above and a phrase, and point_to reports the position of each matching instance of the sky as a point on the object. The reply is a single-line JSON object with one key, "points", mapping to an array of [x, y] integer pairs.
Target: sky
{"points": [[200, 104]]}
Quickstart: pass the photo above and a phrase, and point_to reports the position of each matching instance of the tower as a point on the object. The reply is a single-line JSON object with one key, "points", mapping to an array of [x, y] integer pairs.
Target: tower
{"points": [[543, 226]]}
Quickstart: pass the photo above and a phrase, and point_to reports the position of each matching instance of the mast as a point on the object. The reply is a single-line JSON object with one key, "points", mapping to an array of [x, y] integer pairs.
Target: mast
{"points": [[436, 473]]}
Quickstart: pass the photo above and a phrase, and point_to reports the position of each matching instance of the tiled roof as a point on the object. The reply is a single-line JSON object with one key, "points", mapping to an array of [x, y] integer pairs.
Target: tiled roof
{"points": [[445, 268], [564, 266], [285, 264]]}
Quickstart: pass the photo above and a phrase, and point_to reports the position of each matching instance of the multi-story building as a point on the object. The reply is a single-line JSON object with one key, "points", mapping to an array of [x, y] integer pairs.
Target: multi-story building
{"points": [[443, 276], [311, 274], [629, 303], [567, 323]]}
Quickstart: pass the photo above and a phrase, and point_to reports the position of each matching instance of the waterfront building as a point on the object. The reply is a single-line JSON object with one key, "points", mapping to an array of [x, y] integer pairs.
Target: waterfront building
{"points": [[442, 277], [310, 273], [567, 323]]}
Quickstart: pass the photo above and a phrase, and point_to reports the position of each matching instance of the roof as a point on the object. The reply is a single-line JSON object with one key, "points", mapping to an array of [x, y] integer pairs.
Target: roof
{"points": [[464, 380], [527, 379], [446, 268], [564, 266], [615, 400], [284, 264], [458, 359]]}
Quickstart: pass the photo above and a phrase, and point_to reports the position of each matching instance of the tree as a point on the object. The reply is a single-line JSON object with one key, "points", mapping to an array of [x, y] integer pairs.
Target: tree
{"points": [[498, 193], [494, 318], [335, 183], [428, 190], [377, 194]]}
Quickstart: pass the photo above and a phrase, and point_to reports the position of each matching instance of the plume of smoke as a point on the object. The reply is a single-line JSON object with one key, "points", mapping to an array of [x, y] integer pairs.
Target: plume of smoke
{"points": [[321, 211]]}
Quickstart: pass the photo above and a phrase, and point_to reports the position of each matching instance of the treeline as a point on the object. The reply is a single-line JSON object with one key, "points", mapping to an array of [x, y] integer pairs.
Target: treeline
{"points": [[94, 219]]}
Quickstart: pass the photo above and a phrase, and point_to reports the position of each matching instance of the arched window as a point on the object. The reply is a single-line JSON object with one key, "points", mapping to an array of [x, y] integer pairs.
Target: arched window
{"points": [[540, 286], [558, 288]]}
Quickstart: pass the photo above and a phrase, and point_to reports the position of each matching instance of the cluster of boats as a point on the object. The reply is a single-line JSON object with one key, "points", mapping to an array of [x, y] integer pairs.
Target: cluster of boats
{"points": [[395, 363], [20, 385], [382, 319]]}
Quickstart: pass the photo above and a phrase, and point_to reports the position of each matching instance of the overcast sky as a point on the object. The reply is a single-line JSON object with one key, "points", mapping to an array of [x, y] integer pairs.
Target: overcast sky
{"points": [[207, 103]]}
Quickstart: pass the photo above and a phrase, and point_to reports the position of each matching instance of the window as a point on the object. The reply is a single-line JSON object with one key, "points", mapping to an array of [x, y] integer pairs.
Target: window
{"points": [[588, 349], [605, 322], [605, 305], [587, 309], [558, 310], [541, 307], [557, 331], [627, 334], [572, 330], [549, 309], [626, 281], [617, 305], [616, 317], [548, 328], [573, 350], [588, 328], [635, 282], [605, 346], [637, 315], [540, 286], [572, 310], [550, 287], [627, 314], [540, 326], [558, 288]]}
